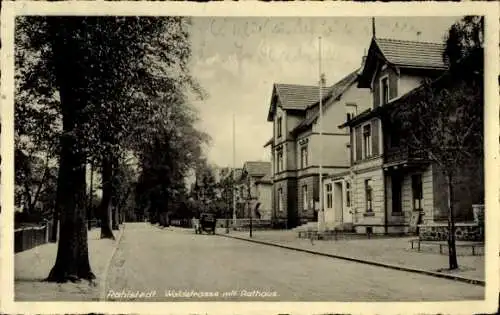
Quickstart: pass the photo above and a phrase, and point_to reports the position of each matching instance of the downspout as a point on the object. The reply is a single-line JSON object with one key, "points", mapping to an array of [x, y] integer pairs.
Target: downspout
{"points": [[386, 228], [382, 139]]}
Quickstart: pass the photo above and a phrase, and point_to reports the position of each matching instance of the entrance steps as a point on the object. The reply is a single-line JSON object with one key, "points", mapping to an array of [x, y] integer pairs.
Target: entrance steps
{"points": [[309, 226]]}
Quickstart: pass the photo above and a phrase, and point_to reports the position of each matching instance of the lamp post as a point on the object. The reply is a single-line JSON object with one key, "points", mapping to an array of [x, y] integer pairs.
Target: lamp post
{"points": [[250, 205]]}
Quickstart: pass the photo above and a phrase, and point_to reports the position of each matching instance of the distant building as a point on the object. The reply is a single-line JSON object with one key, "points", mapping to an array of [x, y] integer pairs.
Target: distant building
{"points": [[253, 180]]}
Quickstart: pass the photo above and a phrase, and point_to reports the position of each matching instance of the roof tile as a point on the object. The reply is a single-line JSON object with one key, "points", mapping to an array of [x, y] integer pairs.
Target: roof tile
{"points": [[412, 53], [257, 168], [294, 96]]}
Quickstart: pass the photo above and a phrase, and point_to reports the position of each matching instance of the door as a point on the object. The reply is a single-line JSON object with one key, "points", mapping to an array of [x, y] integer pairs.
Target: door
{"points": [[347, 204], [396, 181]]}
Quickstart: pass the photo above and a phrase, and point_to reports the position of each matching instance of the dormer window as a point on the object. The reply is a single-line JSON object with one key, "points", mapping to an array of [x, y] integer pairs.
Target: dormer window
{"points": [[384, 90]]}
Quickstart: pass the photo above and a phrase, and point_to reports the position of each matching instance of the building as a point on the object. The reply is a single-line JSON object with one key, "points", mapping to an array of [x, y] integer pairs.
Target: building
{"points": [[253, 181], [264, 187], [297, 148], [391, 188]]}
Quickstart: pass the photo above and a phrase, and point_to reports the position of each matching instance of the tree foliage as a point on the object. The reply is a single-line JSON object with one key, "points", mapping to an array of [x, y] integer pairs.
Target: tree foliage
{"points": [[445, 118], [94, 88]]}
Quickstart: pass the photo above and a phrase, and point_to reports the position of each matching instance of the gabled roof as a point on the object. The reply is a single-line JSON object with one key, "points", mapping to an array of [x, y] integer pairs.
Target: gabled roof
{"points": [[257, 168], [294, 97], [334, 93], [412, 53], [464, 65], [403, 54]]}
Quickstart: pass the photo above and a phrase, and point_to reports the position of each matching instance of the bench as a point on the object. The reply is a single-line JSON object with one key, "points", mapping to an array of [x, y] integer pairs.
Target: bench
{"points": [[442, 244]]}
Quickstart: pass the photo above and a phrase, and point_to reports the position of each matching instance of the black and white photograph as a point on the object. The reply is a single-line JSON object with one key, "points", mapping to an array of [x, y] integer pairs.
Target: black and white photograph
{"points": [[200, 158]]}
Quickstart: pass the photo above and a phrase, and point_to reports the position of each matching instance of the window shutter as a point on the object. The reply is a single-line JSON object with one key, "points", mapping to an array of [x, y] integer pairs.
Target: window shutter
{"points": [[393, 85], [376, 92], [358, 143], [375, 137]]}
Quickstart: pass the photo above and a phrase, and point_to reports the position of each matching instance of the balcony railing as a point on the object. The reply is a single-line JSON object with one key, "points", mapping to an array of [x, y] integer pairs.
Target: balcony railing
{"points": [[405, 154]]}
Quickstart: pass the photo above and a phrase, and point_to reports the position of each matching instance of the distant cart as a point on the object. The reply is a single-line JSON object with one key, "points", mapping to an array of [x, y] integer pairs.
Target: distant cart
{"points": [[206, 223]]}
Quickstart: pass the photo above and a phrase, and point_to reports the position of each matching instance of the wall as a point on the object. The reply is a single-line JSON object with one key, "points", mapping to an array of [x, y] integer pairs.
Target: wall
{"points": [[359, 198], [312, 191], [334, 150], [289, 188], [264, 193], [334, 112], [357, 137], [463, 232], [408, 82], [291, 122]]}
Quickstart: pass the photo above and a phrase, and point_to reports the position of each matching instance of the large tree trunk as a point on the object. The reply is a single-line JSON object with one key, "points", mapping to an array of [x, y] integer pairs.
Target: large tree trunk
{"points": [[107, 193], [72, 261], [452, 250], [115, 218], [91, 197]]}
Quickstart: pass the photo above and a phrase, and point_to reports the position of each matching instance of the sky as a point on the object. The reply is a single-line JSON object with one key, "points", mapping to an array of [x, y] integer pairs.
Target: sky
{"points": [[237, 60]]}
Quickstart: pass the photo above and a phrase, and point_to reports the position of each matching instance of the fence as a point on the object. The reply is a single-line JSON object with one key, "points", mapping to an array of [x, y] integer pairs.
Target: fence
{"points": [[241, 224], [29, 237]]}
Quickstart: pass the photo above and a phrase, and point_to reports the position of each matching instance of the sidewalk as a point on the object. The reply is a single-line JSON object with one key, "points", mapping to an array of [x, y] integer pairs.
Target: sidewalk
{"points": [[391, 251], [34, 265]]}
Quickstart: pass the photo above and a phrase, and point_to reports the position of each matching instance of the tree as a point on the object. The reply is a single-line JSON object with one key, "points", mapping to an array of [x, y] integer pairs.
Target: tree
{"points": [[444, 118], [101, 75]]}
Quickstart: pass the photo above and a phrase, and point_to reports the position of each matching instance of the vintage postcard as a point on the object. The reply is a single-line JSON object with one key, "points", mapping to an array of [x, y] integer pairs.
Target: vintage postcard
{"points": [[249, 158]]}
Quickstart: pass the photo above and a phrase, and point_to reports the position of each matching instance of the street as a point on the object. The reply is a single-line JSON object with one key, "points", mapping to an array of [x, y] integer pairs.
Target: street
{"points": [[154, 264]]}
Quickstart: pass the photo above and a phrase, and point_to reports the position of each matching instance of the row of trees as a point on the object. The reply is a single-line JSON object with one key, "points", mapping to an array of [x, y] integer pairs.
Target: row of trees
{"points": [[113, 93]]}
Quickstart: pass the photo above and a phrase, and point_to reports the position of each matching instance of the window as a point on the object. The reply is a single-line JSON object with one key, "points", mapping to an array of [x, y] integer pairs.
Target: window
{"points": [[279, 127], [367, 141], [279, 165], [351, 110], [384, 90], [369, 195], [305, 199], [280, 200], [416, 184], [329, 196], [303, 156], [347, 194]]}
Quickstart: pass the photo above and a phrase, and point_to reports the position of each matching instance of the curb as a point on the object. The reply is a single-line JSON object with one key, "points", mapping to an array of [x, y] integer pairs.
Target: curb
{"points": [[102, 284], [368, 262]]}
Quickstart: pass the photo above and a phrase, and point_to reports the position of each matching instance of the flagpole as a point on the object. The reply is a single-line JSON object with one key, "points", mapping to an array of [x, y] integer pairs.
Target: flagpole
{"points": [[234, 171], [321, 213]]}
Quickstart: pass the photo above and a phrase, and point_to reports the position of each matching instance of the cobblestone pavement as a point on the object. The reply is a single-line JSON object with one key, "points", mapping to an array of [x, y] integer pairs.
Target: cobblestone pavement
{"points": [[394, 250], [172, 264]]}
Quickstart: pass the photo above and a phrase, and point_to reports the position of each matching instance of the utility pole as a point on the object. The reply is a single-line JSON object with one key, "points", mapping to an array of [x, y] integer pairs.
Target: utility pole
{"points": [[321, 213], [234, 172]]}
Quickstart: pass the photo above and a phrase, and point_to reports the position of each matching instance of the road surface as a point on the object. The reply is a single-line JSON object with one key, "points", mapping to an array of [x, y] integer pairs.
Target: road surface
{"points": [[154, 264]]}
